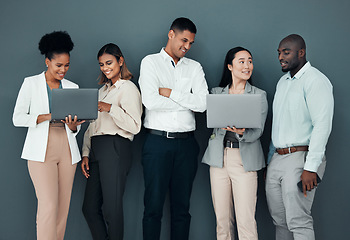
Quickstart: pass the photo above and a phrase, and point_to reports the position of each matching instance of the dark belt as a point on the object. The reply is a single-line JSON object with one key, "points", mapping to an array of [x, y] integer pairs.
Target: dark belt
{"points": [[171, 134], [283, 151], [230, 144]]}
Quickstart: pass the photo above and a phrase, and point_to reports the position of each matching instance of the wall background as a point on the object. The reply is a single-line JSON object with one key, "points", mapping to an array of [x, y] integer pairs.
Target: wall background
{"points": [[140, 28]]}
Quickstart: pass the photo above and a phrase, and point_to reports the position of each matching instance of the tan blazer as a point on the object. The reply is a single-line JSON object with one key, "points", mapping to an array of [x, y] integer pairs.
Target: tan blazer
{"points": [[249, 145], [32, 101]]}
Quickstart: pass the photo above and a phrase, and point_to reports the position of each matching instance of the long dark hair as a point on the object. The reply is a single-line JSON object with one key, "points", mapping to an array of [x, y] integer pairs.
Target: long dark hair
{"points": [[226, 78], [114, 50]]}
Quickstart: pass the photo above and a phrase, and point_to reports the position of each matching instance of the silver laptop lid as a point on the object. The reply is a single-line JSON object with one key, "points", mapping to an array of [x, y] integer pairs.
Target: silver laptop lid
{"points": [[81, 102], [239, 110]]}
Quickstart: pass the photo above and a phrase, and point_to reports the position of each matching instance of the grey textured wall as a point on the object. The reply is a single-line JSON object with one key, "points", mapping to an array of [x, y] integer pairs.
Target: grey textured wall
{"points": [[140, 28]]}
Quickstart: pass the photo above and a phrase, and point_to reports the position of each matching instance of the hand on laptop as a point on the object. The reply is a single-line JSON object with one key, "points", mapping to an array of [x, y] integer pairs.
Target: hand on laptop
{"points": [[239, 131], [104, 107], [72, 123]]}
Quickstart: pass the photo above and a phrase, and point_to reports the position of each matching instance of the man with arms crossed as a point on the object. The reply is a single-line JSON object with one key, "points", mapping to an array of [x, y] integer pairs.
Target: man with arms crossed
{"points": [[302, 121], [173, 87]]}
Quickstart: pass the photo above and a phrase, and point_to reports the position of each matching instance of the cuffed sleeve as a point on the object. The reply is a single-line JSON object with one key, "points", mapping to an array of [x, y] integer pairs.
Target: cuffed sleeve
{"points": [[319, 98]]}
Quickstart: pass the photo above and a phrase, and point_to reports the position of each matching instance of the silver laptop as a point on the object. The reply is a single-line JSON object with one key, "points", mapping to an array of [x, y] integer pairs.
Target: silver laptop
{"points": [[81, 102], [239, 110]]}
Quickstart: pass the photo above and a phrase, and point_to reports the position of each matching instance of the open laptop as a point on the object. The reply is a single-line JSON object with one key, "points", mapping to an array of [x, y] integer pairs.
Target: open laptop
{"points": [[81, 102], [239, 110]]}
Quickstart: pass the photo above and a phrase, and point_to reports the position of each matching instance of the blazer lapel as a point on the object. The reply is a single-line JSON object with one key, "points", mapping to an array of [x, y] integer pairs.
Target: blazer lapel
{"points": [[248, 88], [42, 92], [225, 90], [64, 84]]}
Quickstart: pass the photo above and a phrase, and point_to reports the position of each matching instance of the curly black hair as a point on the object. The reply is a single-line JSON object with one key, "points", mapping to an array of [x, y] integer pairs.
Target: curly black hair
{"points": [[55, 42]]}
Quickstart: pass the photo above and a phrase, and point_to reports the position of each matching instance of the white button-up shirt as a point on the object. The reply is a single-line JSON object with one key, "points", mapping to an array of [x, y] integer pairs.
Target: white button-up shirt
{"points": [[302, 113], [188, 95]]}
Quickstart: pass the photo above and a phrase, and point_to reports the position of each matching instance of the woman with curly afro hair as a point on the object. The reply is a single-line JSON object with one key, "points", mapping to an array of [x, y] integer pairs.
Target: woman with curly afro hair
{"points": [[50, 148]]}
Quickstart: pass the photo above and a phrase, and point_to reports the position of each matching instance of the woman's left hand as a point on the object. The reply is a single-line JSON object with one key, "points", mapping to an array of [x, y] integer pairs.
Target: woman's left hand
{"points": [[72, 123], [239, 131], [104, 107]]}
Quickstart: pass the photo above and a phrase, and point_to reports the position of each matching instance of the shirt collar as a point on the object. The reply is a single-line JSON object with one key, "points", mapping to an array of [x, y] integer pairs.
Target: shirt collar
{"points": [[116, 84], [300, 73], [167, 58]]}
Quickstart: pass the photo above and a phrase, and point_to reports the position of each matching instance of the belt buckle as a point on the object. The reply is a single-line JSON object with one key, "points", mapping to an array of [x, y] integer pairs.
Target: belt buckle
{"points": [[289, 150], [167, 135]]}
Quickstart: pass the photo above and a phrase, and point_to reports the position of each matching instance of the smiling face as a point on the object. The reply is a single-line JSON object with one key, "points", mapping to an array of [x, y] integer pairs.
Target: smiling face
{"points": [[110, 67], [291, 56], [58, 66], [179, 43], [242, 66]]}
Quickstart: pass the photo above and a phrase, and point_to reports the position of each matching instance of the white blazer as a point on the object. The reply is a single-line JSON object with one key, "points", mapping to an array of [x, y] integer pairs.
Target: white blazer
{"points": [[32, 101]]}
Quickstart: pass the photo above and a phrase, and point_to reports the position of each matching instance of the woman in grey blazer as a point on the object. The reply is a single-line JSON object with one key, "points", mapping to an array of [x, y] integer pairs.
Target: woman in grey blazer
{"points": [[235, 155]]}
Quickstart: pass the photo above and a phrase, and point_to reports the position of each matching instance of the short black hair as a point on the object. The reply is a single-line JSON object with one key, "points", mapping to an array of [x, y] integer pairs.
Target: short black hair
{"points": [[226, 78], [183, 24], [55, 42], [297, 39]]}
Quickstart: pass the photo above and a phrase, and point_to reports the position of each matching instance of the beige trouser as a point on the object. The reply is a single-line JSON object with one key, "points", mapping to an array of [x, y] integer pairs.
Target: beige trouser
{"points": [[53, 181], [229, 183]]}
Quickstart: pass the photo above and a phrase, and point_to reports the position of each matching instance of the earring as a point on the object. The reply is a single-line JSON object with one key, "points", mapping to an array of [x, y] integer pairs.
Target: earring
{"points": [[47, 66]]}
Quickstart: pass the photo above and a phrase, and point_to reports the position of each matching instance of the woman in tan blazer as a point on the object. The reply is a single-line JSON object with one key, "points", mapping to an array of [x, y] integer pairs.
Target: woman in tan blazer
{"points": [[235, 155]]}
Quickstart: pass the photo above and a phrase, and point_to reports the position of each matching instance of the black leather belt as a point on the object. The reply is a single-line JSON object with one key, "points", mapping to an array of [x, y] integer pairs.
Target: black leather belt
{"points": [[230, 144], [171, 134]]}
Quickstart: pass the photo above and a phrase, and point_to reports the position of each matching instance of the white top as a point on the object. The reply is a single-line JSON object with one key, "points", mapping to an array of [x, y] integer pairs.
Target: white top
{"points": [[188, 95], [302, 113], [32, 101]]}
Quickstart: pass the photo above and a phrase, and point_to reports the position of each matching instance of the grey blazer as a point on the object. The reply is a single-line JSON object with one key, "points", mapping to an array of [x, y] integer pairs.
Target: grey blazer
{"points": [[249, 145]]}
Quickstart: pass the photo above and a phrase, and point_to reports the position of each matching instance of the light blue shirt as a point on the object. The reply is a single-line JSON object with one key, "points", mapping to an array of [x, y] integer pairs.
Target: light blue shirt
{"points": [[302, 113]]}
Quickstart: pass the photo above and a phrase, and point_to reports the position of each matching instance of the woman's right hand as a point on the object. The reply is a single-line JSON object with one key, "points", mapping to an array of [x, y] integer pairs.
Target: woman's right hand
{"points": [[43, 117], [85, 167], [239, 131]]}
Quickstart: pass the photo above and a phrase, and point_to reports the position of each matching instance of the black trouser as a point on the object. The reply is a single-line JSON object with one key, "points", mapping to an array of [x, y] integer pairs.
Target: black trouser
{"points": [[168, 164], [109, 162]]}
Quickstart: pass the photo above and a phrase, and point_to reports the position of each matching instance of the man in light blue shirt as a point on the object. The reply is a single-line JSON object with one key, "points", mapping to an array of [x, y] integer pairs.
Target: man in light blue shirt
{"points": [[302, 121]]}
